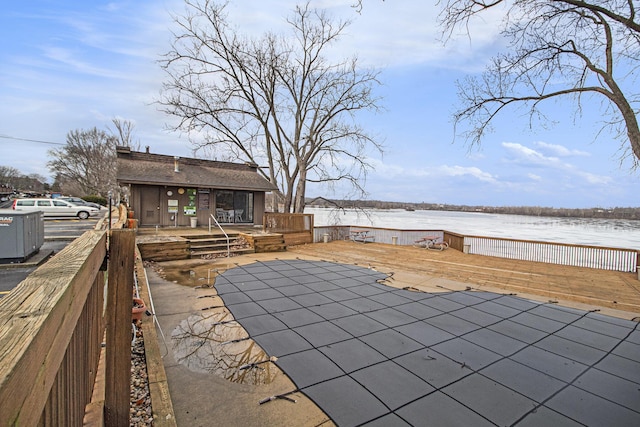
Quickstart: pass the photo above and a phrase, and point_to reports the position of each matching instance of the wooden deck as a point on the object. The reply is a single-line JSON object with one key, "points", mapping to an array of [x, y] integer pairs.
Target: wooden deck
{"points": [[428, 270], [436, 271]]}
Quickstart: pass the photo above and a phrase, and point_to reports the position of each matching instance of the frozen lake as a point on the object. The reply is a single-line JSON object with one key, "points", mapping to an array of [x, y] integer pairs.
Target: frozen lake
{"points": [[584, 231]]}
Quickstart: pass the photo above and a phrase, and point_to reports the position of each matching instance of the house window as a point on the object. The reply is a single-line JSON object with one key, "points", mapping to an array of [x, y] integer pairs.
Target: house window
{"points": [[234, 206]]}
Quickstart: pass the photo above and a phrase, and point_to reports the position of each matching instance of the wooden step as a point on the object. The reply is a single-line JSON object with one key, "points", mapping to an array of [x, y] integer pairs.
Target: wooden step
{"points": [[200, 253], [213, 240], [216, 245], [213, 245], [214, 236]]}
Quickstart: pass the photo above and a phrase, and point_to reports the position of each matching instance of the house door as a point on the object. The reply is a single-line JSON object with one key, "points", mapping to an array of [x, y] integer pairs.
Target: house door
{"points": [[243, 206], [149, 206]]}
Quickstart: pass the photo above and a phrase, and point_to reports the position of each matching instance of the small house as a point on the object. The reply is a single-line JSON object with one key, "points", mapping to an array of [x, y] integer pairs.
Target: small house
{"points": [[178, 191]]}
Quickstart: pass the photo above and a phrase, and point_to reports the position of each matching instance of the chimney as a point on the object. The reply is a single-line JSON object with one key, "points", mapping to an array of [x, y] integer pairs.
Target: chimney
{"points": [[147, 147], [124, 149], [175, 164]]}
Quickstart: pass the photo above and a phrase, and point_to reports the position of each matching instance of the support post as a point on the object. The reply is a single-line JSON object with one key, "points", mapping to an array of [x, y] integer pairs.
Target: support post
{"points": [[118, 317]]}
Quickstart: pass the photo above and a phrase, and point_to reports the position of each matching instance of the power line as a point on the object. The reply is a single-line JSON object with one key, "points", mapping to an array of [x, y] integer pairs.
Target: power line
{"points": [[31, 140]]}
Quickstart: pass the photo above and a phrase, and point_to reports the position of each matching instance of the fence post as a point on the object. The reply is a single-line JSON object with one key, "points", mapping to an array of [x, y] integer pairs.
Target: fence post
{"points": [[118, 318]]}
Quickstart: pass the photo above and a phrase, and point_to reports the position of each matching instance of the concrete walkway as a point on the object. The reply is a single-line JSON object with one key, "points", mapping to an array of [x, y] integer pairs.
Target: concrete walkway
{"points": [[205, 399]]}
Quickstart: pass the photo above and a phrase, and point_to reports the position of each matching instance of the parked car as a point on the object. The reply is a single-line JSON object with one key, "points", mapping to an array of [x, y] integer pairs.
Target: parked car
{"points": [[55, 207], [80, 202]]}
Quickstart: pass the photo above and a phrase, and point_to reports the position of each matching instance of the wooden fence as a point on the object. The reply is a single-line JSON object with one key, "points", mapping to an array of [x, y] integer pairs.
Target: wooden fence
{"points": [[296, 229], [604, 258], [52, 326]]}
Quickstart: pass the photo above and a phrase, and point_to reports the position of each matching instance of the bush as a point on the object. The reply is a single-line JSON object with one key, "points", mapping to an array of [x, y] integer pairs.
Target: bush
{"points": [[96, 199]]}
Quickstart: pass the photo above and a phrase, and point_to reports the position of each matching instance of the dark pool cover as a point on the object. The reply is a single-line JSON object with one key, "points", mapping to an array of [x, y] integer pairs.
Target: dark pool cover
{"points": [[370, 354]]}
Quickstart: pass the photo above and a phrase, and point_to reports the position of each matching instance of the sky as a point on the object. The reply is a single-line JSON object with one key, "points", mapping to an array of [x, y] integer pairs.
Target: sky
{"points": [[68, 65]]}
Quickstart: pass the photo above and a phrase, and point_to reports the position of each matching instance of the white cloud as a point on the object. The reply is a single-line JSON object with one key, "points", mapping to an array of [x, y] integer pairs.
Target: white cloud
{"points": [[560, 150], [592, 178], [112, 7], [391, 171], [69, 60], [395, 33], [472, 171], [529, 155]]}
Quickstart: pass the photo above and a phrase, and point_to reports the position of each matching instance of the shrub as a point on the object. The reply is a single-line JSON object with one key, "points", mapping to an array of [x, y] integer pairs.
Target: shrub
{"points": [[96, 199]]}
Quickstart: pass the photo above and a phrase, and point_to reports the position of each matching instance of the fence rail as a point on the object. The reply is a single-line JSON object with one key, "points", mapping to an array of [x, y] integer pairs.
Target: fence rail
{"points": [[380, 235], [603, 258], [52, 326]]}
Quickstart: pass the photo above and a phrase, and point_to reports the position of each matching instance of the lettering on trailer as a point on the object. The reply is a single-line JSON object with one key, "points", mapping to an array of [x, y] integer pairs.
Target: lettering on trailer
{"points": [[6, 221]]}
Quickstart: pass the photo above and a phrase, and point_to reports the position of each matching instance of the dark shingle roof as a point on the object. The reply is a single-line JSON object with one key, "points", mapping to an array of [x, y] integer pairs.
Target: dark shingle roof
{"points": [[157, 169]]}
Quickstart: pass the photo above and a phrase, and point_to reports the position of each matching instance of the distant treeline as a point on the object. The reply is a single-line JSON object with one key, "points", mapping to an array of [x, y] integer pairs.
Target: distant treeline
{"points": [[608, 213]]}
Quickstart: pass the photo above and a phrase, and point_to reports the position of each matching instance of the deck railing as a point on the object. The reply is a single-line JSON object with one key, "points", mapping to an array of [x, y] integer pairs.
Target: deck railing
{"points": [[604, 258], [52, 326], [380, 235], [296, 229], [600, 257], [287, 222]]}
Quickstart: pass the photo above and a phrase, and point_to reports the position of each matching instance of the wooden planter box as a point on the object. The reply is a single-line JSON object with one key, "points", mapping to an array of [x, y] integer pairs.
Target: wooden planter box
{"points": [[164, 251], [265, 242]]}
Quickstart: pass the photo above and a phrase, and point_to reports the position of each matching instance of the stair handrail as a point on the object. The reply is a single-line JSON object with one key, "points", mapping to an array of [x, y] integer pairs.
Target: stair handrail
{"points": [[223, 232]]}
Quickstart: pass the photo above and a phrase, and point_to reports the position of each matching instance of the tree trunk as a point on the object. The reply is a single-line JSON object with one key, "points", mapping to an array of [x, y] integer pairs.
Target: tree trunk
{"points": [[633, 132], [288, 198], [301, 188]]}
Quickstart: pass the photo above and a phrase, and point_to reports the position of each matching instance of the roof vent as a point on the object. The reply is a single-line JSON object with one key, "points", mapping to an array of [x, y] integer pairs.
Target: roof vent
{"points": [[175, 164]]}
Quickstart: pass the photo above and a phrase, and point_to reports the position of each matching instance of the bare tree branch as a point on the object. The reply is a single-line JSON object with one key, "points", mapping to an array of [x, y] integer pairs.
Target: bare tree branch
{"points": [[273, 99], [125, 133], [557, 48], [89, 159]]}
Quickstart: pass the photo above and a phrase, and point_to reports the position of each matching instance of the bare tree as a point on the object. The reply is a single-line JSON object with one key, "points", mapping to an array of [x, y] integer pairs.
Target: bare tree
{"points": [[273, 99], [12, 178], [125, 133], [89, 159], [8, 176], [557, 48]]}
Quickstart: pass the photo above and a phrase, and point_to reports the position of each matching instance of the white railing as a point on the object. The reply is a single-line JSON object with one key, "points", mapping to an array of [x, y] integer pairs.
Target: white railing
{"points": [[380, 235], [603, 258], [223, 232]]}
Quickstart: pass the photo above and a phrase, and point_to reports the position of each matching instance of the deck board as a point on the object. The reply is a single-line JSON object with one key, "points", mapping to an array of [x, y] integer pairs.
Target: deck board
{"points": [[612, 289]]}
